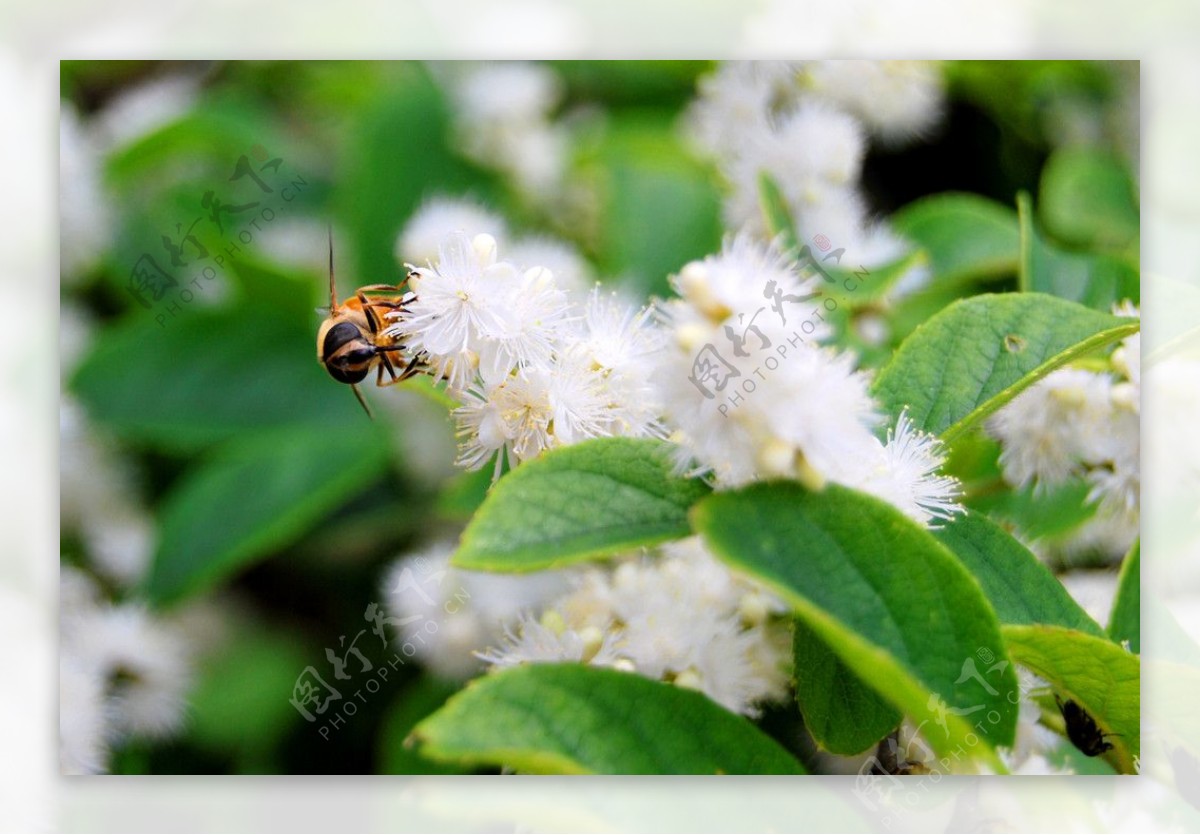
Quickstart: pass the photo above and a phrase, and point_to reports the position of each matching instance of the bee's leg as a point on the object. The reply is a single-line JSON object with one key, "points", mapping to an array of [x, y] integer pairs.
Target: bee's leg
{"points": [[412, 369]]}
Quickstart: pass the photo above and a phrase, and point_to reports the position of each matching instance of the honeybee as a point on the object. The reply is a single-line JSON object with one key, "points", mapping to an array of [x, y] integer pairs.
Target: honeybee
{"points": [[351, 341]]}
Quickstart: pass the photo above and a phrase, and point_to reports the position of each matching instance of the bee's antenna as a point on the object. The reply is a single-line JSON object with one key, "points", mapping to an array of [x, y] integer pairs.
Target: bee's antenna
{"points": [[362, 401], [333, 287]]}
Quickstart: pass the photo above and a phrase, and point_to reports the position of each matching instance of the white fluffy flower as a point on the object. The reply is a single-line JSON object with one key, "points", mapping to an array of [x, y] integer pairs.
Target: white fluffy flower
{"points": [[142, 661], [897, 100], [549, 640], [529, 320], [680, 616], [438, 219], [905, 473], [1050, 427], [458, 301], [445, 614], [526, 413]]}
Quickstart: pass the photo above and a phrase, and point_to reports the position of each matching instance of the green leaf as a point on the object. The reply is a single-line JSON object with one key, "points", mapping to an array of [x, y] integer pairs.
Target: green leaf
{"points": [[464, 493], [210, 375], [779, 221], [842, 713], [590, 500], [1125, 622], [1093, 672], [966, 236], [1046, 515], [1097, 281], [575, 719], [252, 498], [660, 208], [981, 352], [1088, 198], [899, 610], [1021, 588]]}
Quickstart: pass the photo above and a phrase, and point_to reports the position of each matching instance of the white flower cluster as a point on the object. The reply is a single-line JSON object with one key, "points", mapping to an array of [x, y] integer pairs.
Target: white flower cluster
{"points": [[122, 673], [447, 613], [440, 216], [679, 617], [531, 370], [751, 393], [502, 120], [807, 125], [1079, 422]]}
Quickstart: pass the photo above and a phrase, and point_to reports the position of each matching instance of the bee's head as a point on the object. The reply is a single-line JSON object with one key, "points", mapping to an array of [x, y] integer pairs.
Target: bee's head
{"points": [[345, 351]]}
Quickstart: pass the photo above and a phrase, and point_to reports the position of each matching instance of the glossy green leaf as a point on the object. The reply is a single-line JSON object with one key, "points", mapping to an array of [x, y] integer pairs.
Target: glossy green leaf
{"points": [[1095, 673], [1125, 622], [899, 610], [966, 236], [1094, 280], [1021, 588], [844, 715], [575, 719], [210, 375], [981, 352], [1088, 198], [776, 214], [253, 497], [580, 502]]}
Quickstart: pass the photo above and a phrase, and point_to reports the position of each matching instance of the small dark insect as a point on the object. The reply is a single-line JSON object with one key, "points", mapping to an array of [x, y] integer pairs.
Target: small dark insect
{"points": [[351, 342], [1082, 729]]}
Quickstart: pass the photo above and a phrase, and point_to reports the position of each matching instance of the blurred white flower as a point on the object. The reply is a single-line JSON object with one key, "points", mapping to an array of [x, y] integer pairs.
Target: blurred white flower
{"points": [[84, 213], [572, 273], [451, 614], [814, 154], [550, 640], [142, 660], [678, 616], [1094, 591], [84, 721], [439, 218], [124, 672], [895, 100], [99, 500], [738, 99], [502, 120], [144, 108], [1048, 429]]}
